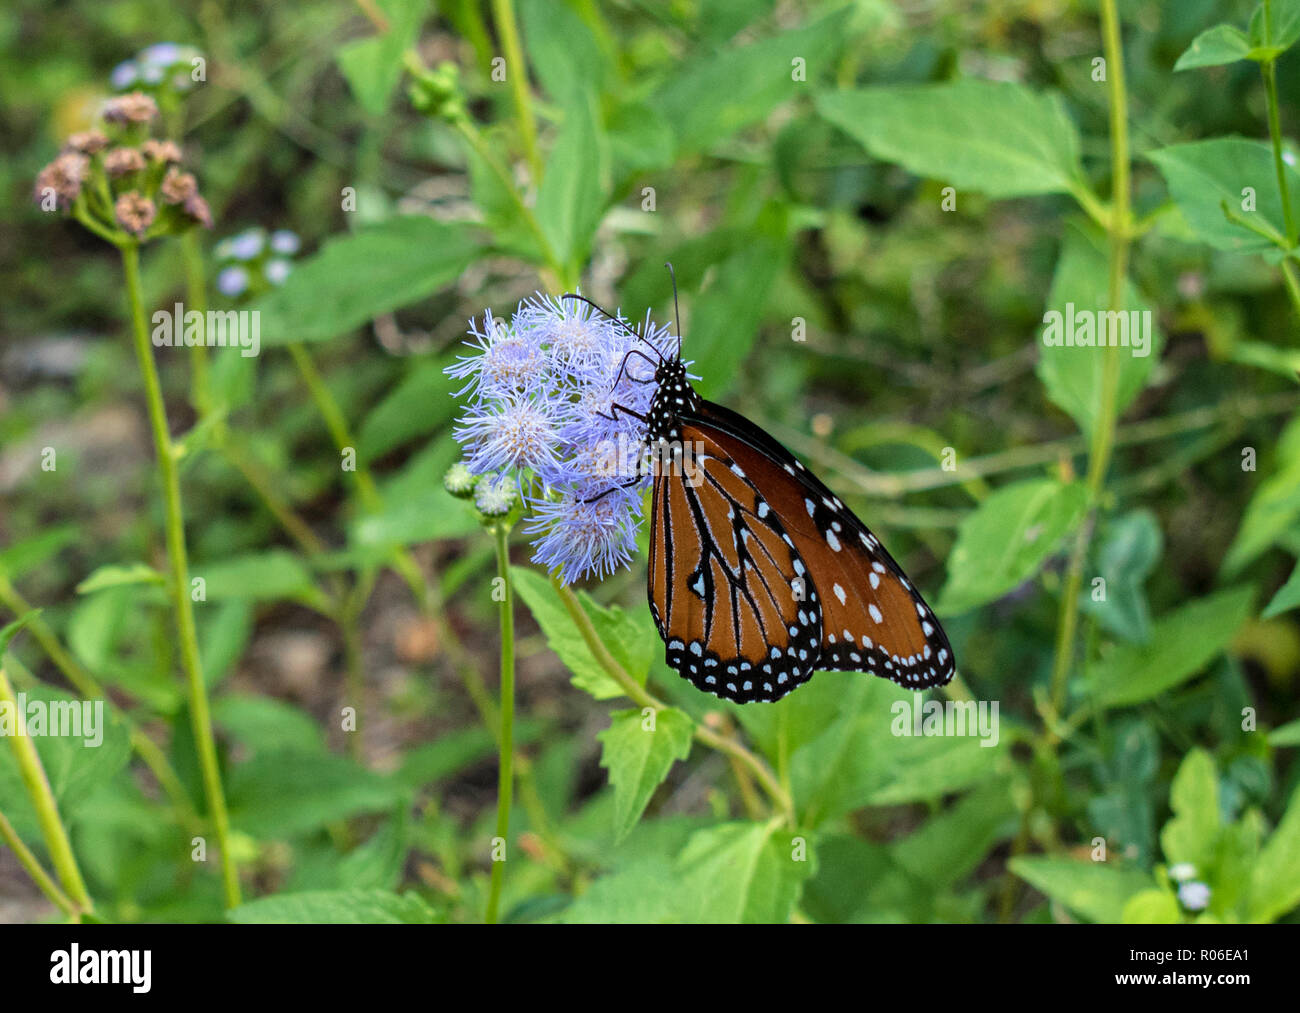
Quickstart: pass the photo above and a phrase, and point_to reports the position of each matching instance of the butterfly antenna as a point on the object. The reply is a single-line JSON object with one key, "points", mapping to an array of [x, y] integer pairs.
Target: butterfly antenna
{"points": [[677, 313], [618, 320]]}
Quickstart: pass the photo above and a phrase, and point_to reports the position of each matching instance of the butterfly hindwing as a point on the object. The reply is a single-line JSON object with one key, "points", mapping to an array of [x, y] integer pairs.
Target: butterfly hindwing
{"points": [[724, 577], [873, 620]]}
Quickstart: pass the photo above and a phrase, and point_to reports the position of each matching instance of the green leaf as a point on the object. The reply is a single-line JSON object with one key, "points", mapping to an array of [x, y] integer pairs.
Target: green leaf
{"points": [[265, 725], [267, 576], [743, 873], [1126, 553], [1193, 832], [1287, 597], [630, 639], [430, 513], [224, 632], [1281, 31], [575, 189], [356, 277], [279, 794], [1078, 310], [373, 66], [1215, 46], [1285, 735], [997, 138], [22, 557], [419, 404], [336, 907], [1274, 509], [729, 310], [638, 760], [1182, 643], [1275, 881], [1203, 175], [562, 51], [1152, 907], [714, 95], [117, 576], [12, 630], [1093, 890], [951, 844], [1007, 538]]}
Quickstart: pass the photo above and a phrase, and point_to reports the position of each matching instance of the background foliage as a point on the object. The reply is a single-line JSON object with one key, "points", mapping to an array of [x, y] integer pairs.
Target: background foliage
{"points": [[1166, 725]]}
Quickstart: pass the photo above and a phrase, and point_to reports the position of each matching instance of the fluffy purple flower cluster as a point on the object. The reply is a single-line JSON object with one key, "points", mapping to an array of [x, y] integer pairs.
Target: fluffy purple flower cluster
{"points": [[542, 391]]}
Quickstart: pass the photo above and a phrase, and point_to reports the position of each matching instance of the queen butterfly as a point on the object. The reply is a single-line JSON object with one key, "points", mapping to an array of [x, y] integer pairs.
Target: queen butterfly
{"points": [[759, 574]]}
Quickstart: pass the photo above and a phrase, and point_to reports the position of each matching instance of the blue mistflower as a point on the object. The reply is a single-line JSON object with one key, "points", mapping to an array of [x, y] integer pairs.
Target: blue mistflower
{"points": [[232, 281], [544, 392]]}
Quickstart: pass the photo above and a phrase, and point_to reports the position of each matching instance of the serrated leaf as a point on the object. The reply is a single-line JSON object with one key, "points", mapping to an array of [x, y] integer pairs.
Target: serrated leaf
{"points": [[1182, 643], [630, 639], [1078, 309], [1093, 890], [336, 907], [1203, 175], [356, 277], [1007, 538], [716, 94], [638, 760], [997, 138]]}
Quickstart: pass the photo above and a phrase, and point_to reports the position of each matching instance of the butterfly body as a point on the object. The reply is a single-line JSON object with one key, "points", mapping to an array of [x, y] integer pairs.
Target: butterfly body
{"points": [[759, 575]]}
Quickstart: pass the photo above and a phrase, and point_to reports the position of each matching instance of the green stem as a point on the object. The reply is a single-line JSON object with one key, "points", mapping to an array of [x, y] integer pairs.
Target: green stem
{"points": [[34, 869], [1269, 70], [505, 765], [644, 698], [196, 295], [47, 811], [503, 13], [1103, 433], [180, 578]]}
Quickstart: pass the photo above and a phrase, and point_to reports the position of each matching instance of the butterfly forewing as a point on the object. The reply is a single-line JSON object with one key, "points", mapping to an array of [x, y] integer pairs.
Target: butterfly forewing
{"points": [[725, 578], [873, 620]]}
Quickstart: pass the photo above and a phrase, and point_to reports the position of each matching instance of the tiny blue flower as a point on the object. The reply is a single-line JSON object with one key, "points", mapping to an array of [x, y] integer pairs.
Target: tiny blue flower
{"points": [[516, 431], [124, 75], [585, 537], [286, 242], [247, 245], [152, 74], [277, 270], [1194, 896], [160, 54], [232, 281]]}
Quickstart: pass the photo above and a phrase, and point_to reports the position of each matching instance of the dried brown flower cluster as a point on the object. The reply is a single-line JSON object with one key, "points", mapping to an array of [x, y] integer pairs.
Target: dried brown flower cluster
{"points": [[120, 182]]}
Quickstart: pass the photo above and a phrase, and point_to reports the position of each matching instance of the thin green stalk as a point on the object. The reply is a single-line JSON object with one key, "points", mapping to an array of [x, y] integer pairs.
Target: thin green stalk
{"points": [[506, 748], [180, 578], [1103, 433], [196, 297], [47, 811], [40, 877], [1269, 70], [503, 13], [644, 698]]}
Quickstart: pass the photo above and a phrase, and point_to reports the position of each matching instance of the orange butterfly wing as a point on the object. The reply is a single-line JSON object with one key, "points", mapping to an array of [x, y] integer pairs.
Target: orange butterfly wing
{"points": [[873, 620], [723, 579]]}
